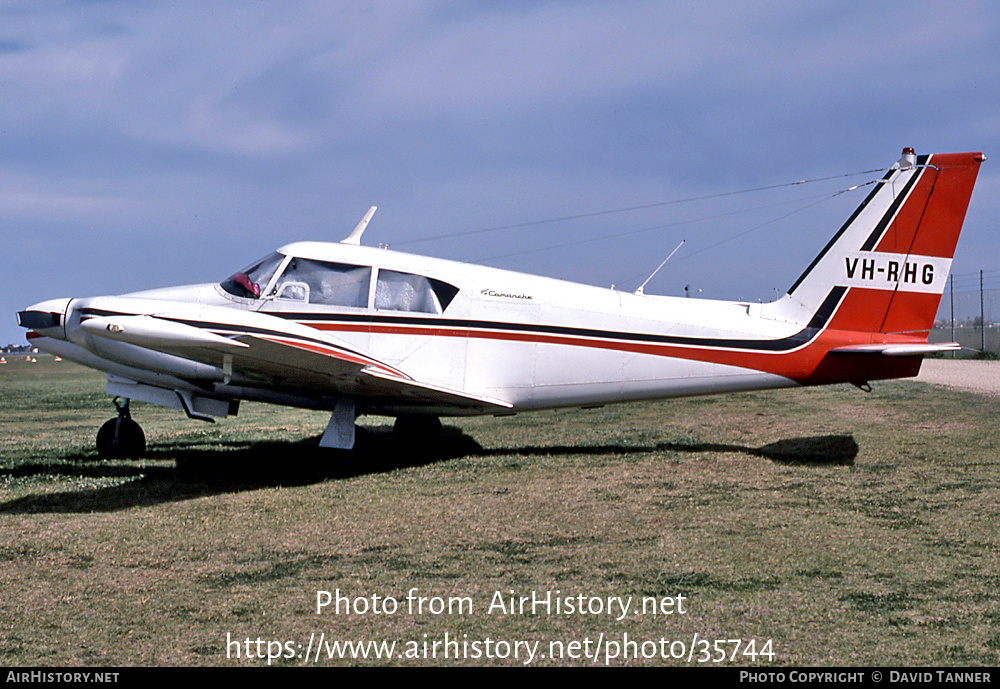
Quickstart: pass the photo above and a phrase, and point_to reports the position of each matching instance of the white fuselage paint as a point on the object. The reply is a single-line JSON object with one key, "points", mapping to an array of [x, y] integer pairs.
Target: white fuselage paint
{"points": [[533, 342]]}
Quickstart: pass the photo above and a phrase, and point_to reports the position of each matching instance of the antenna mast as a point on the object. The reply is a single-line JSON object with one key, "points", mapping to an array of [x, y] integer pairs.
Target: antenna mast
{"points": [[639, 291]]}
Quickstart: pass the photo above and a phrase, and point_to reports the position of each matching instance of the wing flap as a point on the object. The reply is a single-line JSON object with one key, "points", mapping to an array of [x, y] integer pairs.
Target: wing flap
{"points": [[423, 392]]}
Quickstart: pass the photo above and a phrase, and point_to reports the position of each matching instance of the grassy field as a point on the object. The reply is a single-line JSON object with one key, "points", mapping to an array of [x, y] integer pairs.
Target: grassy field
{"points": [[846, 528]]}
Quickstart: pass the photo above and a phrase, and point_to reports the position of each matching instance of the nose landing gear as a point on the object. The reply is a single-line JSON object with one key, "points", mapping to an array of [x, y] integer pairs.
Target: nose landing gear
{"points": [[121, 437]]}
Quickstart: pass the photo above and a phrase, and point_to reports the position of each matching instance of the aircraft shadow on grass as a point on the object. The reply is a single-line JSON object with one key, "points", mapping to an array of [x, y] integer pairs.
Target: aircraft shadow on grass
{"points": [[823, 450], [235, 466]]}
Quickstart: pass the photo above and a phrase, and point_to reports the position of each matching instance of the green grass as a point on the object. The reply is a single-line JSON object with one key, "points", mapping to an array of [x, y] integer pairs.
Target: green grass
{"points": [[849, 528]]}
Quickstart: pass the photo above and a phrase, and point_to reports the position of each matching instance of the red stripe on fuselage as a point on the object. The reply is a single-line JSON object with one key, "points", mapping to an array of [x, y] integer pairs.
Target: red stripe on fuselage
{"points": [[807, 365], [335, 353]]}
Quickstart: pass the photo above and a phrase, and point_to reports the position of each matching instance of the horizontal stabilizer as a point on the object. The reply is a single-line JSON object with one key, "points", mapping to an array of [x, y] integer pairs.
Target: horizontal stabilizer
{"points": [[898, 349]]}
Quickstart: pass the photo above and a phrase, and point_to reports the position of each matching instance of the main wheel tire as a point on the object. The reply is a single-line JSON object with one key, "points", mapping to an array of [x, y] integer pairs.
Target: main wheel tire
{"points": [[418, 433], [131, 441]]}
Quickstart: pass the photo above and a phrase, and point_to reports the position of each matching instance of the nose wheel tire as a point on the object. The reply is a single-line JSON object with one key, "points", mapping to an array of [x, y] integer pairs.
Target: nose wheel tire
{"points": [[121, 437]]}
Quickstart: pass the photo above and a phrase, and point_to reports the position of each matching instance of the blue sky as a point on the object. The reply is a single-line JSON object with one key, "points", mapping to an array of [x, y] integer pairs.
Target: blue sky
{"points": [[146, 144]]}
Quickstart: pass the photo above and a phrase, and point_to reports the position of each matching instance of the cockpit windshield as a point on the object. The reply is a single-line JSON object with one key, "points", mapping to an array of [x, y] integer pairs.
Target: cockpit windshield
{"points": [[251, 281]]}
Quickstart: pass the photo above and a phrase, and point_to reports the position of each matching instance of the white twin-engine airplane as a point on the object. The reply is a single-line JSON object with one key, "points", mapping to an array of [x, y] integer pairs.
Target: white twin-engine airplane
{"points": [[358, 330]]}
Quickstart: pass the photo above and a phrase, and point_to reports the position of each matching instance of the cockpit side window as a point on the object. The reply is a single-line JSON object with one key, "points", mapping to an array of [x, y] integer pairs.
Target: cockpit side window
{"points": [[397, 291], [252, 280], [322, 282]]}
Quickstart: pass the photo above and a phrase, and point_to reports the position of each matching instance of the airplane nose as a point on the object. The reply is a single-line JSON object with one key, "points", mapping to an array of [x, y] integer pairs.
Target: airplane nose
{"points": [[45, 317]]}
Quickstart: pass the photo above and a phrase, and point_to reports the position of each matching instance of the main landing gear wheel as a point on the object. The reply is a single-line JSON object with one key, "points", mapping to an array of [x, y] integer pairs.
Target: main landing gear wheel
{"points": [[121, 437], [419, 433]]}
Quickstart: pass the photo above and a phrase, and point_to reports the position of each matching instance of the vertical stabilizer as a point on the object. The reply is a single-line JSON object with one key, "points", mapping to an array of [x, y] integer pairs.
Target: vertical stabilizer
{"points": [[885, 270]]}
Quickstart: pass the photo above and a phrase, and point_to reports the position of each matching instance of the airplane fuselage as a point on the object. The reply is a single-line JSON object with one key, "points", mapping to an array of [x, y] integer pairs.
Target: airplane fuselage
{"points": [[534, 342]]}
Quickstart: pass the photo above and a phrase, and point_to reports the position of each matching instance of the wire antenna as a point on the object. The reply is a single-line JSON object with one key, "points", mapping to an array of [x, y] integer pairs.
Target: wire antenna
{"points": [[646, 206]]}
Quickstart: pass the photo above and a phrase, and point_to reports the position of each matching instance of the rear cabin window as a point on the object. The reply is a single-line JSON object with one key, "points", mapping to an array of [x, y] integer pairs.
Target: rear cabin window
{"points": [[395, 291], [321, 282]]}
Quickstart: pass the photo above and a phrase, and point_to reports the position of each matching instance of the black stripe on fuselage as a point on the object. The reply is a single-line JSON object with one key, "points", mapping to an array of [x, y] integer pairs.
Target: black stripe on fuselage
{"points": [[815, 326]]}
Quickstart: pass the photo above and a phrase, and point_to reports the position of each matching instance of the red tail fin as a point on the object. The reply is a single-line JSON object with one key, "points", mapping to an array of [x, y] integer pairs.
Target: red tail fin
{"points": [[891, 259]]}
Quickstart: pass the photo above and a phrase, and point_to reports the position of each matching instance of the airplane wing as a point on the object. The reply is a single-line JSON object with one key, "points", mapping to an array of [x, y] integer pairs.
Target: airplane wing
{"points": [[353, 373], [272, 352]]}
